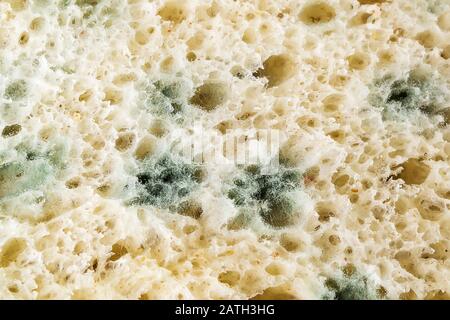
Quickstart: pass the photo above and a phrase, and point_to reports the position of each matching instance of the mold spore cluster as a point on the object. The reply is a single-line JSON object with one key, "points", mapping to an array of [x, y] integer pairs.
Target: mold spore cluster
{"points": [[266, 194], [416, 93], [164, 181]]}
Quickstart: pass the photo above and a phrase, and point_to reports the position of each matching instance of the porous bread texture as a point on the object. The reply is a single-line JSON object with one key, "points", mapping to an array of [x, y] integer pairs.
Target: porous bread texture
{"points": [[375, 190]]}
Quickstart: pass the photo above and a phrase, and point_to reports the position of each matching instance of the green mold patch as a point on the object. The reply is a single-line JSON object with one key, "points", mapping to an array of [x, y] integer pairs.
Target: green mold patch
{"points": [[18, 177], [268, 196], [167, 97], [93, 12], [405, 98], [351, 286], [165, 181], [16, 90], [31, 169], [79, 3], [87, 2]]}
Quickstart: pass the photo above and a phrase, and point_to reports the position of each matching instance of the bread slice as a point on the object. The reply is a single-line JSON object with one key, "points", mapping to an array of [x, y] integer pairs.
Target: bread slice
{"points": [[97, 203]]}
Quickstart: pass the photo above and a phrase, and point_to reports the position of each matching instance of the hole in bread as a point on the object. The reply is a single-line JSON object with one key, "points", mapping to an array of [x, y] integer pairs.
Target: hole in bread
{"points": [[189, 229], [277, 69], [118, 250], [213, 10], [223, 126], [125, 141], [275, 269], [146, 147], [144, 296], [158, 128], [428, 38], [444, 21], [431, 209], [190, 208], [37, 24], [124, 78], [372, 1], [414, 171], [46, 133], [239, 222], [168, 64], [11, 250], [337, 135], [444, 193], [85, 96], [440, 250], [17, 5], [358, 61], [210, 95], [11, 130], [73, 183], [104, 189], [446, 52], [317, 13], [386, 56], [249, 36], [265, 28], [141, 37], [332, 103], [353, 198], [24, 37], [113, 96], [437, 295], [338, 80], [80, 247], [308, 121], [173, 11], [340, 180], [250, 16], [191, 56], [275, 293], [229, 277], [196, 41], [238, 72], [13, 289], [359, 19], [291, 242], [408, 295], [407, 261], [325, 211], [331, 107], [334, 240]]}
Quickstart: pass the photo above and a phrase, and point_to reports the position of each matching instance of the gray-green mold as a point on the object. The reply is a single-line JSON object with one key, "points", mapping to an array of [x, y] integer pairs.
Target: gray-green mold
{"points": [[31, 169], [16, 90], [165, 181], [268, 196], [167, 97], [18, 177], [351, 285], [419, 92]]}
